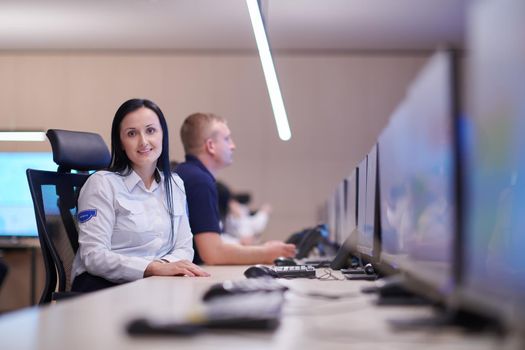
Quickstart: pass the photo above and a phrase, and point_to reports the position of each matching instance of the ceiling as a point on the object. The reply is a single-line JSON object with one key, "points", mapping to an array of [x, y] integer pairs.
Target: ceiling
{"points": [[224, 25]]}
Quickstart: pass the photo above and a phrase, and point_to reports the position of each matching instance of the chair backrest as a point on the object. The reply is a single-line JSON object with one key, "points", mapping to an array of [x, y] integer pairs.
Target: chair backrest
{"points": [[55, 197], [3, 271]]}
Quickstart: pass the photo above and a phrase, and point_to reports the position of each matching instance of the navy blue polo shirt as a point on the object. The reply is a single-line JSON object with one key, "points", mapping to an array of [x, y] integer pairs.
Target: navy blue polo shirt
{"points": [[201, 193]]}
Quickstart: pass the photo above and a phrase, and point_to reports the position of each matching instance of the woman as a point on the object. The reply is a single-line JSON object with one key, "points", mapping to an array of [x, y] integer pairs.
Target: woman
{"points": [[132, 218]]}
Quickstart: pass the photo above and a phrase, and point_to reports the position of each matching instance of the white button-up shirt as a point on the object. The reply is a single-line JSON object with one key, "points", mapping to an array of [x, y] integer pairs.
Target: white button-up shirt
{"points": [[123, 226]]}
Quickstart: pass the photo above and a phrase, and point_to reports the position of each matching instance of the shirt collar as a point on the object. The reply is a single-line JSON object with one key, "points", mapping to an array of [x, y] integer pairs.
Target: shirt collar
{"points": [[133, 179], [192, 159]]}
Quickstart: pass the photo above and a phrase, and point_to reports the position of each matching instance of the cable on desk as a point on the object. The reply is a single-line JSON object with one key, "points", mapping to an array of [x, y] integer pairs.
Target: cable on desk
{"points": [[329, 276]]}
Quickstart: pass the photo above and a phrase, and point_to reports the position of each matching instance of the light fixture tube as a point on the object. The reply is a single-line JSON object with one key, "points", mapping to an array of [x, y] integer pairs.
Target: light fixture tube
{"points": [[31, 136], [279, 112]]}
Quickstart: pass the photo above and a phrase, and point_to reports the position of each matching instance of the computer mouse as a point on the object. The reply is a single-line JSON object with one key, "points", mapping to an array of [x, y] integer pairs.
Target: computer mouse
{"points": [[369, 269], [259, 271], [216, 290], [283, 261]]}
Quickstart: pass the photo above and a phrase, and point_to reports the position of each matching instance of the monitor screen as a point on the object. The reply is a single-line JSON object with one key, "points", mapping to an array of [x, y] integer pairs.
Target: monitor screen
{"points": [[330, 216], [351, 204], [17, 216], [494, 259], [339, 199], [418, 179], [394, 154], [361, 200], [366, 238]]}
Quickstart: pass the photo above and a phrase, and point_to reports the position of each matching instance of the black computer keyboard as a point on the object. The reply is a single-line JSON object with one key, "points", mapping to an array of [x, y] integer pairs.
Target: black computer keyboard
{"points": [[243, 286], [298, 271], [258, 310]]}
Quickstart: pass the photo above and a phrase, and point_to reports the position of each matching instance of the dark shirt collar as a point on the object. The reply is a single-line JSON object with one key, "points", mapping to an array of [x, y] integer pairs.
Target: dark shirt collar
{"points": [[192, 159]]}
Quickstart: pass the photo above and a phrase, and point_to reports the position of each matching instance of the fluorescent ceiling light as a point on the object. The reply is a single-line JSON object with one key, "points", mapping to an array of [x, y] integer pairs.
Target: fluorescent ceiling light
{"points": [[283, 128], [22, 136]]}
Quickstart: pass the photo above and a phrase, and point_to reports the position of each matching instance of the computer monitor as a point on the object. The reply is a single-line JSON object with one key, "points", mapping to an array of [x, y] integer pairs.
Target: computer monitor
{"points": [[493, 274], [418, 165], [351, 204], [394, 155], [350, 232], [367, 239], [17, 216], [339, 199], [361, 201], [330, 216]]}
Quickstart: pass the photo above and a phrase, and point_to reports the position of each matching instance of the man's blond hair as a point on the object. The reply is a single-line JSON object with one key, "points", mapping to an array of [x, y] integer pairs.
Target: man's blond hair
{"points": [[196, 129]]}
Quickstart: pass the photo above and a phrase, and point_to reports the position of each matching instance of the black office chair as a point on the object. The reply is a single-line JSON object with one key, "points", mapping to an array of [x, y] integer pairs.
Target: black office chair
{"points": [[3, 271], [55, 197]]}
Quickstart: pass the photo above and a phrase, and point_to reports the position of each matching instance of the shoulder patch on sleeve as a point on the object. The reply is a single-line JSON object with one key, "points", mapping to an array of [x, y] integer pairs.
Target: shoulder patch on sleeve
{"points": [[86, 215]]}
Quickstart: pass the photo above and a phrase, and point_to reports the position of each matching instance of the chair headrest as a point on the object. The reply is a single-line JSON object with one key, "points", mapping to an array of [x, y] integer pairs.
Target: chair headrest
{"points": [[78, 150]]}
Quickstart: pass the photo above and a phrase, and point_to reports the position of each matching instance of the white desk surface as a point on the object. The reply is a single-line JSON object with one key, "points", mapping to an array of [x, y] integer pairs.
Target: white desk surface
{"points": [[97, 320]]}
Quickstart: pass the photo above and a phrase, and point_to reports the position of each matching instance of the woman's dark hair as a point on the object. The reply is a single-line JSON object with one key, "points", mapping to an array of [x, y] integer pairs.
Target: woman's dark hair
{"points": [[120, 162]]}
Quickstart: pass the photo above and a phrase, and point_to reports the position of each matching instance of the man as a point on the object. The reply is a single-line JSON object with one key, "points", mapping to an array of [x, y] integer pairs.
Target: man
{"points": [[209, 148]]}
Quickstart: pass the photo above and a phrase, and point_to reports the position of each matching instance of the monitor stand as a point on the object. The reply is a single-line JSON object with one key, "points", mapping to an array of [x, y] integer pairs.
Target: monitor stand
{"points": [[366, 273], [392, 291], [450, 318]]}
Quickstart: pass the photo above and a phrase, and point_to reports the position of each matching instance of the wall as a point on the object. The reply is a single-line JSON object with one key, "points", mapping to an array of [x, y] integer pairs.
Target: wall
{"points": [[337, 105]]}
